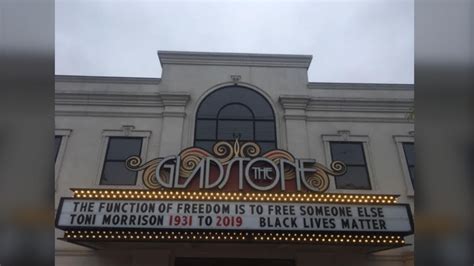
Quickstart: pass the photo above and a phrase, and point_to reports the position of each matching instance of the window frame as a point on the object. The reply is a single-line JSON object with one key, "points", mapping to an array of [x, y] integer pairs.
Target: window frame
{"points": [[124, 133], [65, 135], [346, 137], [217, 119], [361, 144], [117, 161], [399, 140]]}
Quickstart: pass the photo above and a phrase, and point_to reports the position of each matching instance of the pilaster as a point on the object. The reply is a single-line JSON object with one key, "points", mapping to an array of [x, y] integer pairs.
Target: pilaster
{"points": [[295, 120], [174, 105]]}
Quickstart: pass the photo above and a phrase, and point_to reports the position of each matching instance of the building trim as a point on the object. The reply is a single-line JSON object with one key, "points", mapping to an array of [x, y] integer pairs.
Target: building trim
{"points": [[120, 113], [128, 105], [234, 59], [356, 119], [109, 99], [337, 109], [377, 105], [106, 79], [360, 86], [294, 101]]}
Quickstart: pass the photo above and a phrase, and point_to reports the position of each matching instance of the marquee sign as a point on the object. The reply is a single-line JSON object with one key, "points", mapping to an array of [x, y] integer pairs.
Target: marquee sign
{"points": [[234, 167], [260, 216], [234, 193]]}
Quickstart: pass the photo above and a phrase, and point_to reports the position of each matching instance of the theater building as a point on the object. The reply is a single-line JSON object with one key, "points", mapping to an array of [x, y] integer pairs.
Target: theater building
{"points": [[233, 159]]}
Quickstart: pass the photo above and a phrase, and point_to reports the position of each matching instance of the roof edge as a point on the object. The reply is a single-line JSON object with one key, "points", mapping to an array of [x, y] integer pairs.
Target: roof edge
{"points": [[234, 59]]}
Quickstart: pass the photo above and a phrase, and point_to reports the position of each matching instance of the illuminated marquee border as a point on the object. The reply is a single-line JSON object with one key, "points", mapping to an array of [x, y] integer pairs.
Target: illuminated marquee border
{"points": [[234, 236], [224, 152], [140, 194], [387, 240]]}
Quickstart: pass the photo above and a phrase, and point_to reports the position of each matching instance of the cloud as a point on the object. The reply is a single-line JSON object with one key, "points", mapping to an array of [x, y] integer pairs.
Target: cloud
{"points": [[351, 41]]}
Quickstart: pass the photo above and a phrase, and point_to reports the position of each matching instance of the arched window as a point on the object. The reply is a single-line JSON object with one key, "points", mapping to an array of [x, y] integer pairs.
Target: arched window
{"points": [[235, 112]]}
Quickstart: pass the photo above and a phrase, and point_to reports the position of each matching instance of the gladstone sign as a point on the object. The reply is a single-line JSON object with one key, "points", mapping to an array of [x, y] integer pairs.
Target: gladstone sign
{"points": [[235, 167]]}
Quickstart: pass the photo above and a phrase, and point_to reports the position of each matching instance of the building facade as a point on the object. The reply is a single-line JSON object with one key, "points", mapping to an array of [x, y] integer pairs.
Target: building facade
{"points": [[203, 98]]}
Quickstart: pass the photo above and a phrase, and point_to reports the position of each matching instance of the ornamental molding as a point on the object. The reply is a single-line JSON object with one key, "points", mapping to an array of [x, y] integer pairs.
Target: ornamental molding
{"points": [[378, 105], [337, 109], [118, 113], [122, 99], [294, 101], [174, 99], [99, 79], [339, 104], [385, 119], [108, 99], [234, 59], [360, 86], [145, 105]]}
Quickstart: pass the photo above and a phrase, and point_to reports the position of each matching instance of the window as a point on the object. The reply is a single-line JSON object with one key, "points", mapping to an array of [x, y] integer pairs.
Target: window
{"points": [[409, 150], [352, 154], [114, 171], [406, 152], [57, 145], [235, 112], [61, 139]]}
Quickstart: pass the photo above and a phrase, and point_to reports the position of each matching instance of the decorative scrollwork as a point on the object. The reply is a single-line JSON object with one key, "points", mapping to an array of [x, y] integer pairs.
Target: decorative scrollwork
{"points": [[249, 149], [338, 167], [319, 180], [190, 159], [223, 151], [149, 178], [276, 155], [133, 163]]}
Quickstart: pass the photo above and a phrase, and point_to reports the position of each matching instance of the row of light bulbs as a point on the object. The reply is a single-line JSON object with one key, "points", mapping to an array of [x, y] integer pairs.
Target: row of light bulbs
{"points": [[232, 236], [233, 233], [233, 196]]}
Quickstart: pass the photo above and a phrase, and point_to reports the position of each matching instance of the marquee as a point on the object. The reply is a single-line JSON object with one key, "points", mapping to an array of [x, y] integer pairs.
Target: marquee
{"points": [[234, 194]]}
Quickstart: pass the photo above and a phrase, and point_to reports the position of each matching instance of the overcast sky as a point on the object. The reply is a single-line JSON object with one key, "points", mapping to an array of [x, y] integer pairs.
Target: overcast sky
{"points": [[368, 41]]}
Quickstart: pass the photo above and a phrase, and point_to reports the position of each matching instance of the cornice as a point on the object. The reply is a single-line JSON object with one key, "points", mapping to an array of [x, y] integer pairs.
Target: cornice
{"points": [[173, 114], [336, 109], [378, 105], [174, 99], [120, 104], [103, 79], [234, 59], [358, 119], [108, 99], [122, 99], [360, 86], [294, 101], [118, 113], [354, 119]]}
